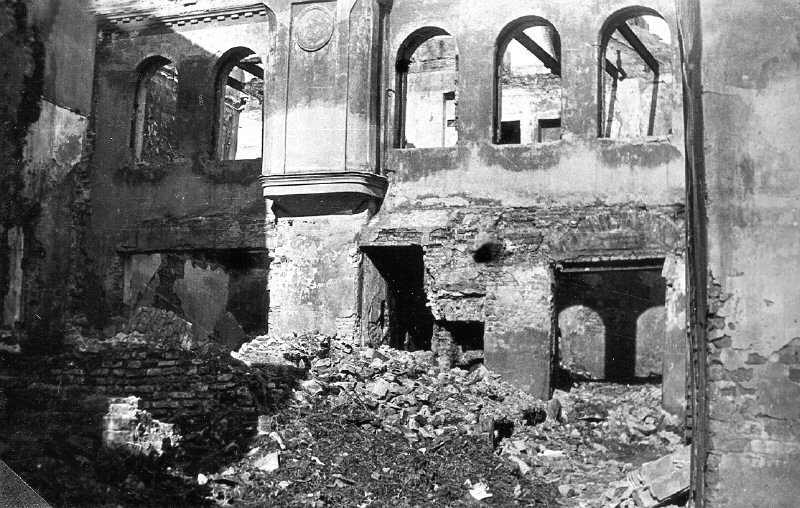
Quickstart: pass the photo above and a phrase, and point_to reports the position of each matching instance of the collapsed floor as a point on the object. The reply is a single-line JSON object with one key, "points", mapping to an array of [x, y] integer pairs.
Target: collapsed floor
{"points": [[365, 427]]}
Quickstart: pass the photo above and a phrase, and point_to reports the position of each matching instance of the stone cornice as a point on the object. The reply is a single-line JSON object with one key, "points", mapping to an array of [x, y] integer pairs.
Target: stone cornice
{"points": [[133, 19], [350, 182]]}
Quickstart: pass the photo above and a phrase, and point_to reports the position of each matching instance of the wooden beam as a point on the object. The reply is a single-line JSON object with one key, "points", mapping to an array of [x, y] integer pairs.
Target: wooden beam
{"points": [[638, 46], [242, 87], [252, 68], [615, 72], [235, 84], [539, 52]]}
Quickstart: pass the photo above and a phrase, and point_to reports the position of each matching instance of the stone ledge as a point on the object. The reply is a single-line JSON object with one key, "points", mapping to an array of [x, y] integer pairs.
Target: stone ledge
{"points": [[292, 184], [322, 193]]}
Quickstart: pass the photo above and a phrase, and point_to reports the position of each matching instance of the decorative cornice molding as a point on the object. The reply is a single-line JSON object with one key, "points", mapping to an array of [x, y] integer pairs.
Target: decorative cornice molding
{"points": [[154, 18], [295, 184]]}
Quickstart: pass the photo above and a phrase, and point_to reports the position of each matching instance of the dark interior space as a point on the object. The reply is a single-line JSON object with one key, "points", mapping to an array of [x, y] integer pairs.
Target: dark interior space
{"points": [[611, 320], [248, 297], [466, 334], [405, 322], [466, 338], [510, 133]]}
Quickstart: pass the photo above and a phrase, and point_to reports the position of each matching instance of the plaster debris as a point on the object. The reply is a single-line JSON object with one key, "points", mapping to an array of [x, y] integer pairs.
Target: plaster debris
{"points": [[269, 462], [479, 492], [571, 448]]}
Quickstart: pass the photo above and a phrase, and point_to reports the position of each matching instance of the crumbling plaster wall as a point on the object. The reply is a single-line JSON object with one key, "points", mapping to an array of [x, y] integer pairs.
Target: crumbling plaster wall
{"points": [[192, 204], [47, 60], [222, 294], [314, 274], [580, 198], [744, 87], [320, 117], [511, 291]]}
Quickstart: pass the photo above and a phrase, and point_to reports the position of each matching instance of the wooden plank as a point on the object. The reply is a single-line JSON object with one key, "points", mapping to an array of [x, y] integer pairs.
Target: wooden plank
{"points": [[638, 46], [539, 52], [252, 68]]}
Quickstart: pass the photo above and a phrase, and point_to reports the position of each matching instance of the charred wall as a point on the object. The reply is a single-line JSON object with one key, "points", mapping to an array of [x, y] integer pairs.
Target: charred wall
{"points": [[493, 220], [47, 53]]}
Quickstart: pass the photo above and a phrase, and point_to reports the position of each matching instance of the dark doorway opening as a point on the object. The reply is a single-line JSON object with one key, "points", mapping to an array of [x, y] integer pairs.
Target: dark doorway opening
{"points": [[610, 321], [394, 309]]}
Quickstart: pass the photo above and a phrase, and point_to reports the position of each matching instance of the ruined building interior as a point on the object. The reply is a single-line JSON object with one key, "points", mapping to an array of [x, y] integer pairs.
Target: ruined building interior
{"points": [[563, 195]]}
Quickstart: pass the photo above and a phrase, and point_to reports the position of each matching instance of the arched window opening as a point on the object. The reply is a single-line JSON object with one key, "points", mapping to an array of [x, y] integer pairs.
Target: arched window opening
{"points": [[155, 112], [240, 106], [636, 76], [427, 73], [528, 83]]}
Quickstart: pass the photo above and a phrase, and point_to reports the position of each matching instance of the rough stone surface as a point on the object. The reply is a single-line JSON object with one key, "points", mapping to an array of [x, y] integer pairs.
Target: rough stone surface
{"points": [[132, 432]]}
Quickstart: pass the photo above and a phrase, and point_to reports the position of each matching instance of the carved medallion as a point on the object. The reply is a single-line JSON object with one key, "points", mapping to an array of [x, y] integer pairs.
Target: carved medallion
{"points": [[314, 27]]}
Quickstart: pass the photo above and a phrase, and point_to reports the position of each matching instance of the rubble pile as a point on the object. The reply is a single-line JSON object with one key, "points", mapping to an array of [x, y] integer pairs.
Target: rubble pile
{"points": [[581, 449], [605, 432], [318, 421], [656, 483], [292, 350], [409, 393]]}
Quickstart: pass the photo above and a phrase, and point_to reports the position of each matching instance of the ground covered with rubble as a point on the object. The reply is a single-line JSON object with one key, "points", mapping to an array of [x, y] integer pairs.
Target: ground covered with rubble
{"points": [[390, 428], [369, 427]]}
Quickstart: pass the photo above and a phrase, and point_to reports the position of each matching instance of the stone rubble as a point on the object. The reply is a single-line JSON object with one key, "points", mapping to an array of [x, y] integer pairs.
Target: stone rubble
{"points": [[292, 350], [585, 442], [410, 392], [133, 432]]}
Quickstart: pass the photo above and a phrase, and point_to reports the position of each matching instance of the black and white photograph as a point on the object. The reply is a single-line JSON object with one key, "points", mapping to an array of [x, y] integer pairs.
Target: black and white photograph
{"points": [[399, 253]]}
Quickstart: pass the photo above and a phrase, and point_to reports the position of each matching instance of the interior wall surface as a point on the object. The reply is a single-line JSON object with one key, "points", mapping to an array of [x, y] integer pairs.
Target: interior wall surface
{"points": [[313, 277], [47, 59], [745, 84], [190, 201], [493, 218]]}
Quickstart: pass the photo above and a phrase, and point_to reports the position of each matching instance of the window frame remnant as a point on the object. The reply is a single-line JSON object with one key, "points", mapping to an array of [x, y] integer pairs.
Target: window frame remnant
{"points": [[232, 59], [515, 31], [618, 22], [146, 70], [402, 64]]}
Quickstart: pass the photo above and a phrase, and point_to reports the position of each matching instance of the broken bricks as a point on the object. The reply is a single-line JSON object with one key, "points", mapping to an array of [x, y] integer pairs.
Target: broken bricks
{"points": [[569, 443]]}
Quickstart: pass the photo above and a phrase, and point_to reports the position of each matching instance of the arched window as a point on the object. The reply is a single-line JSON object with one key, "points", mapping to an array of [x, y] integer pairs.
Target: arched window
{"points": [[155, 112], [635, 77], [528, 108], [240, 106], [427, 78]]}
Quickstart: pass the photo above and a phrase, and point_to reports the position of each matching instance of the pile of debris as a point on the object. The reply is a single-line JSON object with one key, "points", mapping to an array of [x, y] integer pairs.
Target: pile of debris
{"points": [[656, 483], [606, 432], [294, 350], [409, 393], [576, 446]]}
